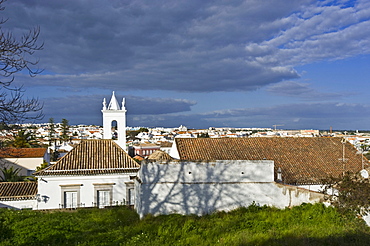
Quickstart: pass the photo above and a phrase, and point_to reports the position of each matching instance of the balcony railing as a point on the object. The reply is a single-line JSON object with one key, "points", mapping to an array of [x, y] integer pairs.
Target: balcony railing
{"points": [[96, 205]]}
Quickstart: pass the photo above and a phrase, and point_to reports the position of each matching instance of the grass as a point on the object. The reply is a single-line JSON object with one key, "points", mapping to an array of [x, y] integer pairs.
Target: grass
{"points": [[303, 225]]}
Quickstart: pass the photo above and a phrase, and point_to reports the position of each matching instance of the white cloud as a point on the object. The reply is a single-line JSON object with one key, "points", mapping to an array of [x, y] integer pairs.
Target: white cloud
{"points": [[318, 32]]}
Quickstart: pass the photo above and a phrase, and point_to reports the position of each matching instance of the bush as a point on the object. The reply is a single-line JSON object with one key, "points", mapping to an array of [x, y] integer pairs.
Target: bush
{"points": [[303, 225]]}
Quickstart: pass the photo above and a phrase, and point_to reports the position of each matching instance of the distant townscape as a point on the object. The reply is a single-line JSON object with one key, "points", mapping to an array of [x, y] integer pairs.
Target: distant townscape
{"points": [[143, 141], [171, 170]]}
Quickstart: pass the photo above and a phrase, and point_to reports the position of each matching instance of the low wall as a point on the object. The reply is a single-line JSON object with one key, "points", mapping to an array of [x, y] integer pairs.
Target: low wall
{"points": [[203, 187], [18, 204]]}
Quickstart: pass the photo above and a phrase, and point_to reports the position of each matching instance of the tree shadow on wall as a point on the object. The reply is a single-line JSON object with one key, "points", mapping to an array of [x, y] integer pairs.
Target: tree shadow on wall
{"points": [[192, 188]]}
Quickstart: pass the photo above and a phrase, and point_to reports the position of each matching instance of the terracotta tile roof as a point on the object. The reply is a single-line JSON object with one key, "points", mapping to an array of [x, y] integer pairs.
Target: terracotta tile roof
{"points": [[22, 152], [138, 157], [166, 144], [93, 157], [18, 190], [302, 160], [146, 145], [159, 155]]}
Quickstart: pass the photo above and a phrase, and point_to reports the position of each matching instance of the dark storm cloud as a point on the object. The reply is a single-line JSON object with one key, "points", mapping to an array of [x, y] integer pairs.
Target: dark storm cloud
{"points": [[85, 109], [188, 45], [141, 105], [177, 45], [193, 46], [302, 90]]}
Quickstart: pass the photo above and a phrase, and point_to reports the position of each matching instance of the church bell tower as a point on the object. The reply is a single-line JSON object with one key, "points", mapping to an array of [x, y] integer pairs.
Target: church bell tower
{"points": [[114, 114]]}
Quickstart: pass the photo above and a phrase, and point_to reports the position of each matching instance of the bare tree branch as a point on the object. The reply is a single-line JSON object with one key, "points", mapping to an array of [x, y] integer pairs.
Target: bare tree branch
{"points": [[15, 56]]}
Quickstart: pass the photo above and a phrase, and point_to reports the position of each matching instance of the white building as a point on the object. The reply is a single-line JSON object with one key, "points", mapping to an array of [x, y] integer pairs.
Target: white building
{"points": [[24, 159], [95, 173], [226, 173], [18, 195], [164, 187], [303, 162]]}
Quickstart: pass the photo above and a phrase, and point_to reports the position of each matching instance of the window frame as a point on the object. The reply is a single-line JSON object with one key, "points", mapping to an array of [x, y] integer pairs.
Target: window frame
{"points": [[130, 190], [103, 187], [70, 188]]}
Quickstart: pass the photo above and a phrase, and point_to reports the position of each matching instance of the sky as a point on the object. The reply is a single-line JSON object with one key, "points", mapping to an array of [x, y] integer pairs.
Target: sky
{"points": [[246, 63]]}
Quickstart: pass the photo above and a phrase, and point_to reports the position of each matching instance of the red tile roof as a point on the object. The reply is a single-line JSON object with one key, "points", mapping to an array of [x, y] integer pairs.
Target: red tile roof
{"points": [[93, 157], [18, 190], [302, 160], [160, 155], [146, 146], [22, 152]]}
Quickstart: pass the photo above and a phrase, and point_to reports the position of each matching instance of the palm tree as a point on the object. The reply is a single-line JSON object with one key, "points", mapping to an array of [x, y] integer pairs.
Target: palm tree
{"points": [[10, 174], [23, 139]]}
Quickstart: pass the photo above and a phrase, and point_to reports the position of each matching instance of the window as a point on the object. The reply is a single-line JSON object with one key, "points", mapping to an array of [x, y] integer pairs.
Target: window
{"points": [[70, 195], [130, 193], [103, 196], [131, 196], [70, 199]]}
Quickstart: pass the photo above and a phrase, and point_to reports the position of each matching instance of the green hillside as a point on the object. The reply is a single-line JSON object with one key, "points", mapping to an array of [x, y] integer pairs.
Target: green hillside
{"points": [[303, 225]]}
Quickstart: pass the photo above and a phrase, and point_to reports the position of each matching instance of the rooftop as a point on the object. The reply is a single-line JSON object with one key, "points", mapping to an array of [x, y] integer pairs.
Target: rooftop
{"points": [[18, 190], [301, 160], [22, 152], [93, 157]]}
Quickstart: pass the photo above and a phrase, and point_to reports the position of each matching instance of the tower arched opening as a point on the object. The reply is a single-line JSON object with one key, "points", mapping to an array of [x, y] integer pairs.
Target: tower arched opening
{"points": [[114, 129]]}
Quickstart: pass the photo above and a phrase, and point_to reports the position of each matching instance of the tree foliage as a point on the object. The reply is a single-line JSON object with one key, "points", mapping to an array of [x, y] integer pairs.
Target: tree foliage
{"points": [[143, 129], [15, 56], [65, 130], [24, 139], [305, 225], [204, 135], [42, 166], [10, 174], [350, 193], [51, 130]]}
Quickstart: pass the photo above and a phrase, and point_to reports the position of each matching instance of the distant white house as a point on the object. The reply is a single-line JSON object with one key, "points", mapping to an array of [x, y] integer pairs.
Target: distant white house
{"points": [[183, 128], [24, 159], [144, 136]]}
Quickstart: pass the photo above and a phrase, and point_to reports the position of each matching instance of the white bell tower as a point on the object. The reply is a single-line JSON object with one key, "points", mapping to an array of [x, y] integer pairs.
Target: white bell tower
{"points": [[114, 113]]}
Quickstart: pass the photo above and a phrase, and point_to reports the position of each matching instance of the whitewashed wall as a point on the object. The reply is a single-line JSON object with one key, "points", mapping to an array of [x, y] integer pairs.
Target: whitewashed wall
{"points": [[50, 189], [204, 187], [317, 187], [24, 164], [19, 204]]}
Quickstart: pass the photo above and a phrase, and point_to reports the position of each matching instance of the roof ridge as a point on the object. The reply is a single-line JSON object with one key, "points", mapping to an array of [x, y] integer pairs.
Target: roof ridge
{"points": [[93, 155]]}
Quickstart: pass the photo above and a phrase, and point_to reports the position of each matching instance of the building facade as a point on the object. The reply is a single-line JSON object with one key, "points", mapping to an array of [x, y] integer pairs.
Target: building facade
{"points": [[96, 173]]}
